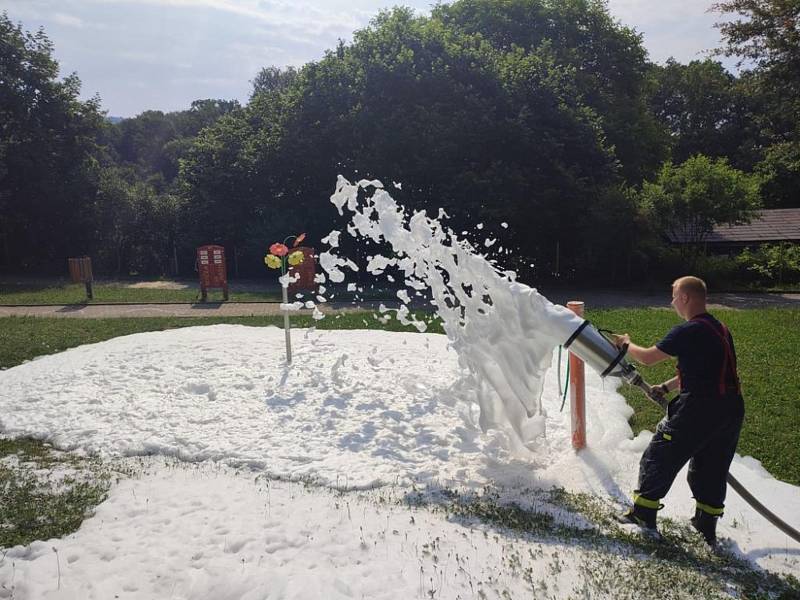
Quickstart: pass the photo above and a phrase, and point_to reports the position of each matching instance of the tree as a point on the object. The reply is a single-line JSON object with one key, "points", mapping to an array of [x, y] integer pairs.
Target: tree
{"points": [[484, 129], [705, 111], [216, 184], [154, 141], [608, 62], [48, 162], [767, 35], [136, 226], [688, 200], [273, 79], [780, 174], [467, 127]]}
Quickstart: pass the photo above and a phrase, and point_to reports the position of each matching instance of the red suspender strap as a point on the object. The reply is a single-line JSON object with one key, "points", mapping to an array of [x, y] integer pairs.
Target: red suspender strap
{"points": [[728, 359]]}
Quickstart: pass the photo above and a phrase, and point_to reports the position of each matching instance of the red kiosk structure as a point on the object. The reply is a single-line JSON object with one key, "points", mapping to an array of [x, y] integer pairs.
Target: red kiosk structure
{"points": [[211, 267]]}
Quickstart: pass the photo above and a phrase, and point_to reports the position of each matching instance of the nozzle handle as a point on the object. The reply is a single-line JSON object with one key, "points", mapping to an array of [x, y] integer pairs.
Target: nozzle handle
{"points": [[639, 382]]}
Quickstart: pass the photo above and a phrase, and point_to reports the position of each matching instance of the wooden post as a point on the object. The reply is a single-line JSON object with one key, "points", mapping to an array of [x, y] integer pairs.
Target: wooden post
{"points": [[577, 389], [80, 271]]}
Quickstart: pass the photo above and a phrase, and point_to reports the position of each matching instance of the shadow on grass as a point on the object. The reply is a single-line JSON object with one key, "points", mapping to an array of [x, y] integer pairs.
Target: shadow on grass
{"points": [[657, 566]]}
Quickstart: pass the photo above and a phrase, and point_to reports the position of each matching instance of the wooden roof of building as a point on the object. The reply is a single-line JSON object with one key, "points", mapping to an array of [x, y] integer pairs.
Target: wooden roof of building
{"points": [[770, 225]]}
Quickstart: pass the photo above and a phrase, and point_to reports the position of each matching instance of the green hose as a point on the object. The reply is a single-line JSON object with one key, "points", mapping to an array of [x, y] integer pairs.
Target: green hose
{"points": [[566, 380]]}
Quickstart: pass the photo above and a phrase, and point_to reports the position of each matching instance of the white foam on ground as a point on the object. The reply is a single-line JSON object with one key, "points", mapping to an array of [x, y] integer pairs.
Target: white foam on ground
{"points": [[358, 409]]}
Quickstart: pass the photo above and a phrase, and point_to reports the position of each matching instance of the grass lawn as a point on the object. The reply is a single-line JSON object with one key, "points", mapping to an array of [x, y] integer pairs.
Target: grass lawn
{"points": [[45, 493], [59, 291], [766, 341], [64, 292]]}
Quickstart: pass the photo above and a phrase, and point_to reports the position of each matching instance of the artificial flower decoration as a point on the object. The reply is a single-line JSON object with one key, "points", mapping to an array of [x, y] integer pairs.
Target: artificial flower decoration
{"points": [[279, 254], [278, 249], [272, 261]]}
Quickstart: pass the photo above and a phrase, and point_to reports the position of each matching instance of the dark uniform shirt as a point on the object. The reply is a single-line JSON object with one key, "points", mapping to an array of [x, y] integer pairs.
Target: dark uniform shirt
{"points": [[700, 352]]}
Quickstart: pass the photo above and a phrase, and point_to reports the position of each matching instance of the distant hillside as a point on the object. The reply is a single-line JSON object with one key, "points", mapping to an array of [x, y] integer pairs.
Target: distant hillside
{"points": [[115, 120]]}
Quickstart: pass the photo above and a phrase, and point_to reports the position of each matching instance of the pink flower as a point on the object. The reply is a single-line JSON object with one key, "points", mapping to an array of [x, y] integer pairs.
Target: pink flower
{"points": [[278, 249]]}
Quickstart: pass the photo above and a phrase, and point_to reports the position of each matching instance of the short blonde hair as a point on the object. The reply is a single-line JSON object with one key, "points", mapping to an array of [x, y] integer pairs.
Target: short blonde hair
{"points": [[694, 286]]}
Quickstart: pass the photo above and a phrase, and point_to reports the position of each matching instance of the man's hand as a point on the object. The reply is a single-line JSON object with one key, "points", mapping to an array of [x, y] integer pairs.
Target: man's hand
{"points": [[658, 394], [621, 340]]}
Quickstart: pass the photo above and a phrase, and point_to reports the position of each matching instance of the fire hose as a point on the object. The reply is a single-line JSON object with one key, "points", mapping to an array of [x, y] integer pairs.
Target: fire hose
{"points": [[596, 350]]}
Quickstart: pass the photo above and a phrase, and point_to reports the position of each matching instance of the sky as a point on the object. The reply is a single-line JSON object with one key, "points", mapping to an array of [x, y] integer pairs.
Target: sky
{"points": [[162, 54]]}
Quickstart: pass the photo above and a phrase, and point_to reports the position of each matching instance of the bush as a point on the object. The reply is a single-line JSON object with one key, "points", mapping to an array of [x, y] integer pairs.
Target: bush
{"points": [[718, 271], [772, 264]]}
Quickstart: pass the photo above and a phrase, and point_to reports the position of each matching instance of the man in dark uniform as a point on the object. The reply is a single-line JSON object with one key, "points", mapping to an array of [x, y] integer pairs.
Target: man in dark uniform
{"points": [[702, 423]]}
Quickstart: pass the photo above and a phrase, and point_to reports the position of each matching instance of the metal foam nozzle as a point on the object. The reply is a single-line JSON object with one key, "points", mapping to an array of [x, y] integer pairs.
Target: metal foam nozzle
{"points": [[597, 351]]}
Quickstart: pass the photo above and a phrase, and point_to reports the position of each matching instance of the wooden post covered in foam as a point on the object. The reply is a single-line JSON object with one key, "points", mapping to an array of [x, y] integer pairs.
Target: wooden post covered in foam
{"points": [[577, 390]]}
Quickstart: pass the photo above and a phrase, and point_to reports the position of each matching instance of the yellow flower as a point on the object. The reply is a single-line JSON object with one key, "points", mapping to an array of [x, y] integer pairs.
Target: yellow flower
{"points": [[295, 258], [272, 261]]}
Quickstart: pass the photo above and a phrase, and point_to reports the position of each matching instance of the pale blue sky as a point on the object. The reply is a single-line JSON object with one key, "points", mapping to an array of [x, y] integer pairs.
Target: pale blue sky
{"points": [[162, 54]]}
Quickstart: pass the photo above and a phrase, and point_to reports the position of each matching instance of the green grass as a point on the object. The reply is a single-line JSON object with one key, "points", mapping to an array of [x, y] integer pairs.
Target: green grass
{"points": [[766, 342], [59, 292], [62, 292], [38, 507]]}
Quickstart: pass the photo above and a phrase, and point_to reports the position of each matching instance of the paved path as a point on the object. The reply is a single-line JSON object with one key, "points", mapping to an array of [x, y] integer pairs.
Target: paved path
{"points": [[209, 309], [593, 299]]}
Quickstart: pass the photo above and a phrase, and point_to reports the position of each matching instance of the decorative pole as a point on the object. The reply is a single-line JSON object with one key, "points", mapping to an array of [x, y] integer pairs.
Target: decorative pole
{"points": [[286, 325], [577, 388], [278, 257]]}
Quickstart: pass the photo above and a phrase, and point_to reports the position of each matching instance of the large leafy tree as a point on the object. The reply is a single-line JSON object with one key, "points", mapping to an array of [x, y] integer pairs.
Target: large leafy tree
{"points": [[765, 34], [687, 200], [706, 111], [48, 166], [154, 142], [133, 224], [608, 62], [478, 131], [273, 79], [217, 182]]}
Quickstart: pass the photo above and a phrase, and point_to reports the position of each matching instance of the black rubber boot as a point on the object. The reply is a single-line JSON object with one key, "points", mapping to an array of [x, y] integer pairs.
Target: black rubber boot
{"points": [[706, 524], [640, 515]]}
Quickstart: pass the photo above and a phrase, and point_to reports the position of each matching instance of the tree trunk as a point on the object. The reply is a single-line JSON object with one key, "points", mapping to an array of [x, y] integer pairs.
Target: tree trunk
{"points": [[6, 248]]}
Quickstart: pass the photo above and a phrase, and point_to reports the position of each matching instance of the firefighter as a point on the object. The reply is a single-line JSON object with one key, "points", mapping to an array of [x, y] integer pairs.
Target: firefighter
{"points": [[703, 422]]}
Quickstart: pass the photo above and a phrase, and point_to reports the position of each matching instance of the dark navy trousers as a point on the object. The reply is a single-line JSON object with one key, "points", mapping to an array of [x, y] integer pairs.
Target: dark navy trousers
{"points": [[703, 428]]}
